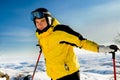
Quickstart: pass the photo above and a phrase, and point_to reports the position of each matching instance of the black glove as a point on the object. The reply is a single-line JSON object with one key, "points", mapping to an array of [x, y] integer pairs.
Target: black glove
{"points": [[114, 47]]}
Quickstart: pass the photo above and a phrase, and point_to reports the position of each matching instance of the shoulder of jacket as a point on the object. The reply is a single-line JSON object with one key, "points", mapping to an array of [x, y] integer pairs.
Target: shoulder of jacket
{"points": [[67, 29], [61, 27]]}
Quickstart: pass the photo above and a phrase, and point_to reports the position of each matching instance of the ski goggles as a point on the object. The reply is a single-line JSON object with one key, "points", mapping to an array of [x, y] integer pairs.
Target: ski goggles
{"points": [[36, 15]]}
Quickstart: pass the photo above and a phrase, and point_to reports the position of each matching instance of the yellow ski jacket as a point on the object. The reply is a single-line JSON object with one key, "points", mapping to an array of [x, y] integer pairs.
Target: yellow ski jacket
{"points": [[57, 46]]}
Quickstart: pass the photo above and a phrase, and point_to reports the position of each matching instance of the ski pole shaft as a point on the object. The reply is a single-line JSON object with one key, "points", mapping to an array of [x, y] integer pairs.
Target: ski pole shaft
{"points": [[114, 65], [36, 64]]}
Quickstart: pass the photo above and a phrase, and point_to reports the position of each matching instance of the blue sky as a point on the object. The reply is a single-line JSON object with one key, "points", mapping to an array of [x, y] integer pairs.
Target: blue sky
{"points": [[97, 20]]}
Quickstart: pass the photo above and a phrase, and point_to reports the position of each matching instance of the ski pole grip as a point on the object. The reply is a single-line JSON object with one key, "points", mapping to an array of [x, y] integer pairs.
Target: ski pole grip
{"points": [[113, 55], [39, 47]]}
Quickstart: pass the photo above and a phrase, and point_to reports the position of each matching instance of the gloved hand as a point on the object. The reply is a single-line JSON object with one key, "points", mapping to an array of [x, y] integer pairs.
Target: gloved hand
{"points": [[114, 47], [108, 49]]}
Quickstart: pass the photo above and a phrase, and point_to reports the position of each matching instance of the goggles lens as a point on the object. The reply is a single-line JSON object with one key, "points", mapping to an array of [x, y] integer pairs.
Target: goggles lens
{"points": [[36, 15]]}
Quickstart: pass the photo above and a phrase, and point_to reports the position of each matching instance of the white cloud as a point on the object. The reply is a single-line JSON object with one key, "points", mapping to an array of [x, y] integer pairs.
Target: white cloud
{"points": [[100, 22]]}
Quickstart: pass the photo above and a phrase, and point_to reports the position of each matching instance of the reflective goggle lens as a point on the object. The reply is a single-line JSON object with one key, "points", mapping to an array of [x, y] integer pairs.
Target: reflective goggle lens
{"points": [[36, 15]]}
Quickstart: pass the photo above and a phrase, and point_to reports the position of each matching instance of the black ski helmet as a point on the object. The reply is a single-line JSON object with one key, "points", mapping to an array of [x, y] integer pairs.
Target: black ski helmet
{"points": [[41, 13]]}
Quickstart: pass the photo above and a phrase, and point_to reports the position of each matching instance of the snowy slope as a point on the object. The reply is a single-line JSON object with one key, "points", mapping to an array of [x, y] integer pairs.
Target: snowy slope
{"points": [[94, 66]]}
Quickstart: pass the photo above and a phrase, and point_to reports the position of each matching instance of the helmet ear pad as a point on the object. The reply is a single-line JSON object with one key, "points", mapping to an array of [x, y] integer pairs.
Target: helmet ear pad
{"points": [[48, 20]]}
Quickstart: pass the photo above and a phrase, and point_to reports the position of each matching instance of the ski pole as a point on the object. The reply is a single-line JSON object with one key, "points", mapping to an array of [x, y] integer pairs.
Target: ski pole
{"points": [[114, 65], [37, 62]]}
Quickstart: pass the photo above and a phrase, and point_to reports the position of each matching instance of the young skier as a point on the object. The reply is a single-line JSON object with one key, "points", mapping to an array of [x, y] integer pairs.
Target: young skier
{"points": [[57, 42]]}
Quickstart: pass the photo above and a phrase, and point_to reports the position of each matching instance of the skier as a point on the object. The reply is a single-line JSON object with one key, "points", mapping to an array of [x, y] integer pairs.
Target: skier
{"points": [[57, 42]]}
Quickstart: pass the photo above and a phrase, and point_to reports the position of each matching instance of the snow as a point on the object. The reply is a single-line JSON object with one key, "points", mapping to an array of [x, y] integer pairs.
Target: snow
{"points": [[94, 66]]}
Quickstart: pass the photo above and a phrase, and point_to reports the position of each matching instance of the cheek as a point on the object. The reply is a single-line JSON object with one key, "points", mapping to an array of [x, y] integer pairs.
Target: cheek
{"points": [[45, 24], [37, 25]]}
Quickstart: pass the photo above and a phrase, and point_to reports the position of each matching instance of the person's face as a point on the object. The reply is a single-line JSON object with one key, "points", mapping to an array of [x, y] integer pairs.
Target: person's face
{"points": [[41, 23]]}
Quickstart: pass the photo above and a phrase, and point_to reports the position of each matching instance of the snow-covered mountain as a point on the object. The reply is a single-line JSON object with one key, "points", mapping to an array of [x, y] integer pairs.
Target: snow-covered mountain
{"points": [[94, 66]]}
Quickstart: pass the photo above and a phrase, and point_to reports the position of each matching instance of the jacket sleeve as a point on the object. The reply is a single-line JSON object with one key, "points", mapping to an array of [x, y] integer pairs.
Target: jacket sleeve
{"points": [[73, 38], [89, 45]]}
